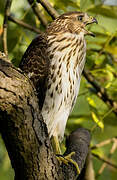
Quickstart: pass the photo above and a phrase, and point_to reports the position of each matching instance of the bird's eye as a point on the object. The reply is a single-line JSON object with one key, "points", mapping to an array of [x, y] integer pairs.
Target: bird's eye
{"points": [[80, 18]]}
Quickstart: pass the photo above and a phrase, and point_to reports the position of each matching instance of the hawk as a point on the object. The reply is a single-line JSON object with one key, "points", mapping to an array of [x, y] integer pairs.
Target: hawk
{"points": [[54, 62]]}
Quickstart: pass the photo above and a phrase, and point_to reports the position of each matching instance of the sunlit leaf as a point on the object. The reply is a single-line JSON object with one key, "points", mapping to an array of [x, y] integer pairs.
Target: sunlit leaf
{"points": [[108, 85], [112, 50], [91, 102], [99, 60], [97, 121]]}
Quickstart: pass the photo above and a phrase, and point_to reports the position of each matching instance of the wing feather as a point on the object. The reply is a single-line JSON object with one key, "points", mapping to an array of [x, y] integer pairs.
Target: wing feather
{"points": [[35, 63]]}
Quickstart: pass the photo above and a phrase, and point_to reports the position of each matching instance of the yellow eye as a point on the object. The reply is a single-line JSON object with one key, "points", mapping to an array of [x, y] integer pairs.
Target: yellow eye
{"points": [[80, 18]]}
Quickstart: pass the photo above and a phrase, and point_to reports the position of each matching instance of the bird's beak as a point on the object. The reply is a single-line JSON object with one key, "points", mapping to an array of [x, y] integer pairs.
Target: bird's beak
{"points": [[90, 20]]}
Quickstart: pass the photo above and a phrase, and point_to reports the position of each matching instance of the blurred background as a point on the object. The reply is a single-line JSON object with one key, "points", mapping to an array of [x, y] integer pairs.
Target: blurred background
{"points": [[90, 111]]}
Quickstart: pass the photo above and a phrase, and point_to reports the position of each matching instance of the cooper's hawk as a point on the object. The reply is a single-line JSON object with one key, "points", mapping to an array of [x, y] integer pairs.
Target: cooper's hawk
{"points": [[54, 62]]}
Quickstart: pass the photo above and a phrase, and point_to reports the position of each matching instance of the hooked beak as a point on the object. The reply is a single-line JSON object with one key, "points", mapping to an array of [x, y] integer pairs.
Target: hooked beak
{"points": [[91, 20]]}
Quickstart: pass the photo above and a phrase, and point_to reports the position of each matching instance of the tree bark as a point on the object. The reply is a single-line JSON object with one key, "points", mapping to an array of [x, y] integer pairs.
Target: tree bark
{"points": [[25, 134]]}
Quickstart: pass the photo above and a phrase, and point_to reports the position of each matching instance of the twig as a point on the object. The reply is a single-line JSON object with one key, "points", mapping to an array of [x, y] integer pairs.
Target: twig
{"points": [[51, 11], [103, 143], [101, 169], [5, 23], [37, 12], [101, 92], [23, 24], [112, 150], [114, 147], [104, 160], [89, 172], [83, 93]]}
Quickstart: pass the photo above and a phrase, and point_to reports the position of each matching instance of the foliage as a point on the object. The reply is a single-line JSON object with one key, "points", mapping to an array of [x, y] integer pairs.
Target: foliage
{"points": [[90, 111]]}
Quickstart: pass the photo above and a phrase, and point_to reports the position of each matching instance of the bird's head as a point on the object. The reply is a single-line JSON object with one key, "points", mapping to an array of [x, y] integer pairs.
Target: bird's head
{"points": [[73, 22]]}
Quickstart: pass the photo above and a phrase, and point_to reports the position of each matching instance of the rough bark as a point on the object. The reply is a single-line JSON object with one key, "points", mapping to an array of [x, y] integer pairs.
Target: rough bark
{"points": [[25, 134]]}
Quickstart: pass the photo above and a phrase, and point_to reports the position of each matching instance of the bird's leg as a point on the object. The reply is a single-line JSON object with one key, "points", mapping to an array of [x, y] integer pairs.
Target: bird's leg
{"points": [[56, 145], [63, 159]]}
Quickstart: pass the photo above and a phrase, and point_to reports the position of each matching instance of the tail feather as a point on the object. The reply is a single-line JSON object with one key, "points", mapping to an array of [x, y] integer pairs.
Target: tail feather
{"points": [[56, 125]]}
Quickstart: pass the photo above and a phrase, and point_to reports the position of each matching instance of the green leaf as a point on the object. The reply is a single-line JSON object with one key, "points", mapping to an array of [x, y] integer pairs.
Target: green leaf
{"points": [[86, 4], [97, 121], [91, 102], [106, 11]]}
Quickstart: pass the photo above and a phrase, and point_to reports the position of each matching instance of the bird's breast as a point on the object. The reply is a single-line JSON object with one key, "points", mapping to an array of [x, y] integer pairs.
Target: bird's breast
{"points": [[67, 57]]}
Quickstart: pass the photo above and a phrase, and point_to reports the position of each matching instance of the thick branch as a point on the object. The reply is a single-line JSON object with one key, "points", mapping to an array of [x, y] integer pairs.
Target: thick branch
{"points": [[23, 131], [5, 23], [25, 134], [78, 142]]}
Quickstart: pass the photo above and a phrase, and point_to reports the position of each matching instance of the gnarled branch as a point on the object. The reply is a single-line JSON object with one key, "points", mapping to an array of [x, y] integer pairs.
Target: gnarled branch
{"points": [[25, 134]]}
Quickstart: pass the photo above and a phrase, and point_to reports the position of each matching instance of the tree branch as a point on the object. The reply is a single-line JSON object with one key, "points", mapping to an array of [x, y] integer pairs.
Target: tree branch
{"points": [[104, 160], [23, 130], [23, 24], [78, 142], [5, 24], [51, 11], [25, 134], [103, 143], [101, 92], [38, 13], [89, 170], [112, 150]]}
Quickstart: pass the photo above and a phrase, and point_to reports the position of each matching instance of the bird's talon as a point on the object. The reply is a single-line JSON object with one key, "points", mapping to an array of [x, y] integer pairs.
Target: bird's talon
{"points": [[67, 159], [70, 155], [61, 160]]}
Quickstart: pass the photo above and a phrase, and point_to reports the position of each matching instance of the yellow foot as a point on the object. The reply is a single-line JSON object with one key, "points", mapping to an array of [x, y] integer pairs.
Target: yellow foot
{"points": [[67, 159]]}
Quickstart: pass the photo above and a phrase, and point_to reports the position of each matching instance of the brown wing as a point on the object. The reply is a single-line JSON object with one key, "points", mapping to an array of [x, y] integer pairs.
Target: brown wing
{"points": [[35, 63]]}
